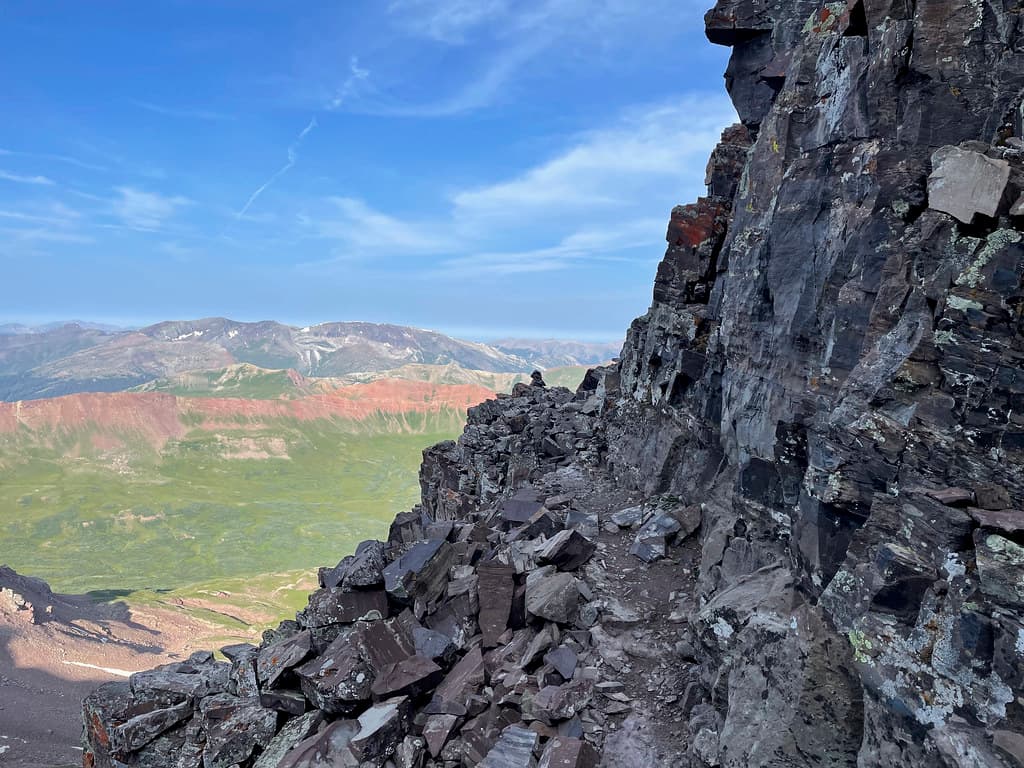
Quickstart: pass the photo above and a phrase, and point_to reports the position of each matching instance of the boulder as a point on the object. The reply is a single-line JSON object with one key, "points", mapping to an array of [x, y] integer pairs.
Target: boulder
{"points": [[964, 183], [552, 595]]}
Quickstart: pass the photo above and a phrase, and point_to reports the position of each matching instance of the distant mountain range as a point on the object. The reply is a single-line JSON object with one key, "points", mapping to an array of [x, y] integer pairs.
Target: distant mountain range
{"points": [[59, 359]]}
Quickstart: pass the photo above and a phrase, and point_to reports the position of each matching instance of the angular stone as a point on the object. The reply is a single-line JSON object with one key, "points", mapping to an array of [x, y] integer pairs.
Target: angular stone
{"points": [[992, 496], [630, 517], [464, 679], [953, 497], [274, 660], [331, 748], [1007, 521], [437, 730], [564, 752], [412, 676], [419, 574], [338, 680], [411, 753], [650, 542], [363, 570], [289, 702], [514, 749], [567, 550], [541, 523], [497, 587], [141, 729], [381, 729], [294, 731], [552, 596], [519, 508], [1000, 568], [244, 681], [583, 521], [963, 183], [563, 659], [433, 645], [336, 606], [384, 643], [561, 702], [539, 644], [235, 729]]}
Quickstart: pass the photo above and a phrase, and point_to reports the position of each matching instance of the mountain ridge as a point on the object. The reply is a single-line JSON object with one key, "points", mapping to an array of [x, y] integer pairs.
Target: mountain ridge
{"points": [[71, 358]]}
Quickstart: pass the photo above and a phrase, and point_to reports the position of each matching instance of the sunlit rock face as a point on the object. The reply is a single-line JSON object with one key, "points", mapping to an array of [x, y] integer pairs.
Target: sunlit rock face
{"points": [[832, 362]]}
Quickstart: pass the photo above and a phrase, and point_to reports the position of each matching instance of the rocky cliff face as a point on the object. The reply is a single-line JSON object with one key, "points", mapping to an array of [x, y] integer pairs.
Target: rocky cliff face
{"points": [[828, 383]]}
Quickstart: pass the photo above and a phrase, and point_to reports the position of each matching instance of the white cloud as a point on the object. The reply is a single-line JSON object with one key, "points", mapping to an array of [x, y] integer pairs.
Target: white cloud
{"points": [[43, 181], [145, 210], [363, 229], [591, 201], [357, 76], [293, 156], [649, 154], [447, 21]]}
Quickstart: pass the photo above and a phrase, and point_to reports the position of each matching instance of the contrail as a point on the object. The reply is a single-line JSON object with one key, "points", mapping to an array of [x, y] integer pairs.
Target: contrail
{"points": [[293, 156]]}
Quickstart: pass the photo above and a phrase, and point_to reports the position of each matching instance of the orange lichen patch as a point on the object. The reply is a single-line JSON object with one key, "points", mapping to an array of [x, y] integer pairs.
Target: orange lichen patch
{"points": [[98, 731], [692, 224]]}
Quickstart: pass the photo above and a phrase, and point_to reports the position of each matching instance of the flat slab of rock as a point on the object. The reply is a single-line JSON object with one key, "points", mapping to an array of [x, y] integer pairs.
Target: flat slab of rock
{"points": [[235, 728], [564, 752], [409, 677], [336, 606], [276, 659], [567, 550], [496, 587], [381, 729], [420, 573], [552, 596], [339, 679], [964, 183], [514, 749], [330, 747], [294, 732]]}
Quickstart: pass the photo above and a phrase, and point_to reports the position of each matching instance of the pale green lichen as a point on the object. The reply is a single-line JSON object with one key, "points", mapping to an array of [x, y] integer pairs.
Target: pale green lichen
{"points": [[1001, 238], [861, 646], [962, 304]]}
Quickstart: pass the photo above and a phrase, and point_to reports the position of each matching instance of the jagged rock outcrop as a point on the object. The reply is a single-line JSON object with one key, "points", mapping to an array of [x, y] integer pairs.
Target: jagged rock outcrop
{"points": [[826, 394]]}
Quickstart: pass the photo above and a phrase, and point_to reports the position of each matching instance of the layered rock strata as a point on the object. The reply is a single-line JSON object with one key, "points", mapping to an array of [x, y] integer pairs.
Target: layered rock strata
{"points": [[826, 394]]}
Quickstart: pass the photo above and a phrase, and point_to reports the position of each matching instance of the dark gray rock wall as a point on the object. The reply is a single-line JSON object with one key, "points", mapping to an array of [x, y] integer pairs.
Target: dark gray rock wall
{"points": [[827, 355]]}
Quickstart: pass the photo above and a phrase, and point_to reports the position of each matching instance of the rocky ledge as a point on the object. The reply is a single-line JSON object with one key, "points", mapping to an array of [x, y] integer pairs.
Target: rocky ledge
{"points": [[817, 430]]}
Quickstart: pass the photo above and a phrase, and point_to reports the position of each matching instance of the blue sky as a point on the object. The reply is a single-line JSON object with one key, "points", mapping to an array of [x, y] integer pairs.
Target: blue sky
{"points": [[483, 167]]}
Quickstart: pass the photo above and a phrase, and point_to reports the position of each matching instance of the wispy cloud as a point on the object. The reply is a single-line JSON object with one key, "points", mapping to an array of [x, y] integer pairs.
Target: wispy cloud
{"points": [[58, 158], [449, 21], [39, 234], [650, 149], [512, 37], [362, 229], [42, 181], [593, 245], [145, 210], [591, 201], [293, 156], [186, 113], [356, 78]]}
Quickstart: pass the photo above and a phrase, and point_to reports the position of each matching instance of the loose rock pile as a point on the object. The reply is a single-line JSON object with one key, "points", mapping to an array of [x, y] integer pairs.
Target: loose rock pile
{"points": [[455, 643]]}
